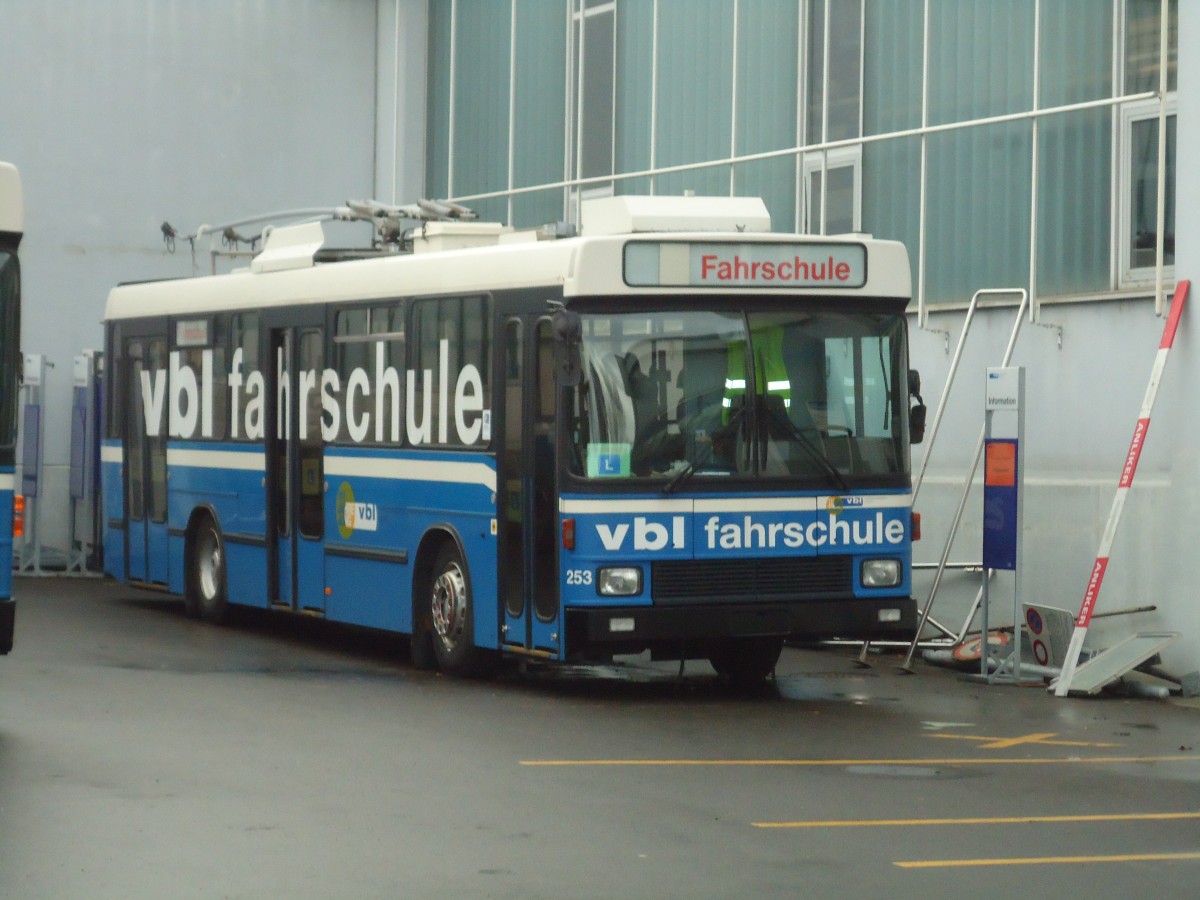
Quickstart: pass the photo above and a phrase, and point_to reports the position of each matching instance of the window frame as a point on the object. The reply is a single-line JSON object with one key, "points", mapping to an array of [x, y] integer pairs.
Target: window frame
{"points": [[822, 162], [1132, 114], [582, 12]]}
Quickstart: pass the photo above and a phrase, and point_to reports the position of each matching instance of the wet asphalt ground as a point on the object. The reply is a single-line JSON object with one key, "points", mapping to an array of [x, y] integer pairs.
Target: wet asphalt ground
{"points": [[146, 755]]}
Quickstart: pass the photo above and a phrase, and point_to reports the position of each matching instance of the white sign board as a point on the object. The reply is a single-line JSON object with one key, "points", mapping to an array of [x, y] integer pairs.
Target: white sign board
{"points": [[1003, 388]]}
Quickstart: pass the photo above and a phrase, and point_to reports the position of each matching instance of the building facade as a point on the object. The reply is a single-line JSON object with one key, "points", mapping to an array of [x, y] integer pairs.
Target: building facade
{"points": [[1012, 145]]}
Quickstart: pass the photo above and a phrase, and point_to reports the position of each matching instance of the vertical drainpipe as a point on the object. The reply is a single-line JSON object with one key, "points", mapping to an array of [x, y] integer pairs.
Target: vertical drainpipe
{"points": [[512, 106], [1161, 223], [922, 311], [453, 73], [1035, 307]]}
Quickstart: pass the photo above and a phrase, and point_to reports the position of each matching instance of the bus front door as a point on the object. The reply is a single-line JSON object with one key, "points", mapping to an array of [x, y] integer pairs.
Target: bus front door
{"points": [[145, 454], [295, 466], [529, 551]]}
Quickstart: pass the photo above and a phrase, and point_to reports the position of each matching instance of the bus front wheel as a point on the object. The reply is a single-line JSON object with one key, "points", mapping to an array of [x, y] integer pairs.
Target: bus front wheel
{"points": [[746, 661], [205, 596], [452, 616]]}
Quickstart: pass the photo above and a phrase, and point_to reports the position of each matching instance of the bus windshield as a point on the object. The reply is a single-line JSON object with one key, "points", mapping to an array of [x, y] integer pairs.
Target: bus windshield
{"points": [[806, 395], [10, 360]]}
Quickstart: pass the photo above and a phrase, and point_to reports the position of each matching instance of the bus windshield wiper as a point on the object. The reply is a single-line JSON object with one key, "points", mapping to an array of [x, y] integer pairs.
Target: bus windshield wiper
{"points": [[682, 475], [706, 456], [797, 434], [823, 461]]}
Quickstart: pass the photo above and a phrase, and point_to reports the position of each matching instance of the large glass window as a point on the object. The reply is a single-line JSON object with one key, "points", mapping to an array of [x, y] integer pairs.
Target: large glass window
{"points": [[694, 99], [365, 390], [834, 71], [833, 90], [1143, 43], [200, 413], [247, 388], [1139, 192], [765, 109], [978, 201], [1138, 175], [807, 396], [539, 120], [658, 84], [448, 394], [833, 200], [594, 126]]}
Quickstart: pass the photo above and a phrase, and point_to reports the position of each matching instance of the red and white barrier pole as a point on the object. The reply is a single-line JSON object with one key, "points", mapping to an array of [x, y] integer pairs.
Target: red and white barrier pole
{"points": [[1063, 685]]}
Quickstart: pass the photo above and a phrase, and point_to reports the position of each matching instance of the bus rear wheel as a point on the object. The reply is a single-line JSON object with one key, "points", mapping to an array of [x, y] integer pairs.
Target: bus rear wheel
{"points": [[206, 596], [452, 615], [746, 661]]}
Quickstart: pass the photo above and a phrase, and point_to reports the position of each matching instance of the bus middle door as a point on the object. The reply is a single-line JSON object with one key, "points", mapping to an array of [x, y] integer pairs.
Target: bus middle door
{"points": [[529, 551], [145, 455], [295, 464]]}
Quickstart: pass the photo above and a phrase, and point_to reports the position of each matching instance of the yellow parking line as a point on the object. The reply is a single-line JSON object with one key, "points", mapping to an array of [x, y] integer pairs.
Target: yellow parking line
{"points": [[997, 743], [995, 820], [944, 761], [1043, 860]]}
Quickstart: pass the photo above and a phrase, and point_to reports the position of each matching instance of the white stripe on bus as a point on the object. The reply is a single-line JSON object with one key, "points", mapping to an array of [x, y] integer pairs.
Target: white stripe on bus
{"points": [[756, 504], [338, 466], [7, 481], [647, 505], [730, 504], [412, 470], [252, 461]]}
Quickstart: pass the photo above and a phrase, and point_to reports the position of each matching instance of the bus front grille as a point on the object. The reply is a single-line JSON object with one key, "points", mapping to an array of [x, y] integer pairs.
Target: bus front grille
{"points": [[781, 578]]}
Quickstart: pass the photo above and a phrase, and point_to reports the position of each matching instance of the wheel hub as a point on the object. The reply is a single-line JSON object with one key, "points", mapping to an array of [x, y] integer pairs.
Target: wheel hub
{"points": [[449, 604], [208, 557]]}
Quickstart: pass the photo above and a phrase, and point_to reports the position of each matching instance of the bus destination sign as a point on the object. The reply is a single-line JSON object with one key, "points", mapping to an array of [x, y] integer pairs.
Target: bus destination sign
{"points": [[760, 265]]}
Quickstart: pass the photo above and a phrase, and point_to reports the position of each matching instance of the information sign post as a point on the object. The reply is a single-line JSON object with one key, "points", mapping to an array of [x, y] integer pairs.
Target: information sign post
{"points": [[1003, 496]]}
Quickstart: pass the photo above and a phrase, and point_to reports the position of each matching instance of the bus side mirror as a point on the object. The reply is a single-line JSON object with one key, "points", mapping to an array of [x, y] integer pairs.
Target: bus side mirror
{"points": [[914, 384], [916, 415], [568, 334], [916, 424]]}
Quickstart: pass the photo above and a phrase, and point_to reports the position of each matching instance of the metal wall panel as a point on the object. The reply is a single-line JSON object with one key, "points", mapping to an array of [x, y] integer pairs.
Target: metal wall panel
{"points": [[126, 113]]}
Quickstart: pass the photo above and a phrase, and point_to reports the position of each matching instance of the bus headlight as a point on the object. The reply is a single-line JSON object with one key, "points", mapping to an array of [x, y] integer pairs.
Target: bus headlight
{"points": [[880, 573], [619, 581]]}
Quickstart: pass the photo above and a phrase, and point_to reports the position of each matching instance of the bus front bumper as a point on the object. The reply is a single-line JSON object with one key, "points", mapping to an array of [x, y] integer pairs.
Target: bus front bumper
{"points": [[618, 628]]}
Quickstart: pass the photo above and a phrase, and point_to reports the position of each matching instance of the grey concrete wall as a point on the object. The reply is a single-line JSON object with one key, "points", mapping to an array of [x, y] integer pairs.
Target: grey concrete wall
{"points": [[1082, 404], [126, 113], [1178, 524], [400, 100]]}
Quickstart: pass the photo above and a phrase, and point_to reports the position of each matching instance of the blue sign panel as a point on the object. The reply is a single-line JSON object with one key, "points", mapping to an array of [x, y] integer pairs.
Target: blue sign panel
{"points": [[1000, 505]]}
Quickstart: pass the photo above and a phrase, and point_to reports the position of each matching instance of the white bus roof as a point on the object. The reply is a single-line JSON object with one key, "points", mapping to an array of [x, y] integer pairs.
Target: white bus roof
{"points": [[12, 205], [590, 265]]}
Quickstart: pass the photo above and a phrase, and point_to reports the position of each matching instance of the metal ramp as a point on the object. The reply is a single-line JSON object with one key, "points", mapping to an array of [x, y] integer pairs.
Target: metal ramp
{"points": [[1109, 665]]}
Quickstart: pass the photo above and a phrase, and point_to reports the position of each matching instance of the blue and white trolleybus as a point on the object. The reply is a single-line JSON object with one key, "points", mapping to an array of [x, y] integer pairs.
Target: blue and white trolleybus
{"points": [[675, 432]]}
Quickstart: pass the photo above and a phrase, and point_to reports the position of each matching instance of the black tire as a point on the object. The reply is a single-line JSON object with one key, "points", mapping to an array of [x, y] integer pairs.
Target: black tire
{"points": [[420, 651], [747, 661], [452, 617], [206, 596]]}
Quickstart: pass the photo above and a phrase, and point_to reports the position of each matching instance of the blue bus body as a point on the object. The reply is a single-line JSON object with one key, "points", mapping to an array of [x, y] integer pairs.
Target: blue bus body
{"points": [[398, 444], [12, 220]]}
